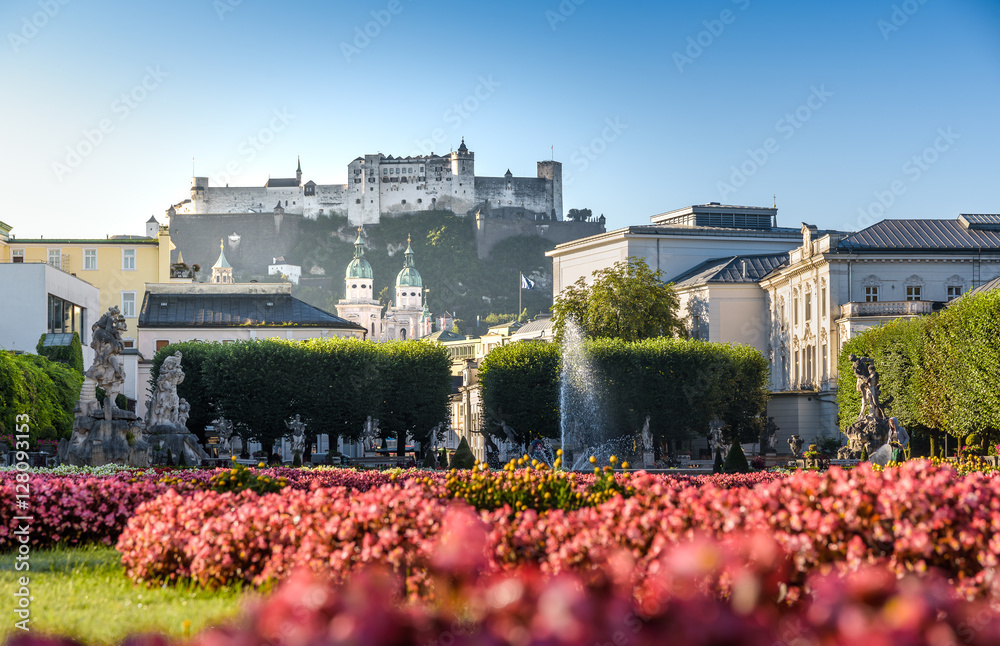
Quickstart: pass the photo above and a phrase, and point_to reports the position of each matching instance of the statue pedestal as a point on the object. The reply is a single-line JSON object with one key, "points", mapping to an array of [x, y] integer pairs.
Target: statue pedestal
{"points": [[648, 460], [176, 439], [97, 442]]}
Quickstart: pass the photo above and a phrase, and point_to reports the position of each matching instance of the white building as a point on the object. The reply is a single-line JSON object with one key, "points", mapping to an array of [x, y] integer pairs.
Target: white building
{"points": [[675, 242], [281, 267], [40, 299], [837, 285]]}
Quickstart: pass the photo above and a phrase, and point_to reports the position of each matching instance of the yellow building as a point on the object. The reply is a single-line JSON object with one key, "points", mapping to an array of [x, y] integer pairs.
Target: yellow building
{"points": [[119, 266]]}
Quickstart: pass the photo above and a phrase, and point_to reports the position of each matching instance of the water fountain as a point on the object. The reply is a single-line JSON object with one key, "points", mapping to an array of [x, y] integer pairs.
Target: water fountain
{"points": [[584, 425]]}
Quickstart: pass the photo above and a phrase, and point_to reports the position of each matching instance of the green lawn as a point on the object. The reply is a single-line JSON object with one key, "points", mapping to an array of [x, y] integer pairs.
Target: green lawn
{"points": [[83, 593]]}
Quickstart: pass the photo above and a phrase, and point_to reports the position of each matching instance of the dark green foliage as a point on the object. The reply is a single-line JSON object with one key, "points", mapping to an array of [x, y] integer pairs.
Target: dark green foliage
{"points": [[943, 370], [414, 381], [170, 458], [297, 460], [70, 355], [429, 461], [195, 387], [519, 386], [864, 453], [718, 466], [44, 390], [736, 460], [463, 458], [680, 385], [627, 301], [445, 251]]}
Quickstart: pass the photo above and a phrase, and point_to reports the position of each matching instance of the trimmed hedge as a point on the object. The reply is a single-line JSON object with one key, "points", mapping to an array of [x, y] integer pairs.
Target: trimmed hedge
{"points": [[942, 370]]}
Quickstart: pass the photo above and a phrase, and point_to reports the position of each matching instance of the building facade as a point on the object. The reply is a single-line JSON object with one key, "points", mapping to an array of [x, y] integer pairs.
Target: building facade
{"points": [[378, 185], [119, 266]]}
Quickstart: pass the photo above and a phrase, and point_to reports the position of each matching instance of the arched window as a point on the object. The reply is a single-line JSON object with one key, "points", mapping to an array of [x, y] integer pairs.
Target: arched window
{"points": [[402, 334]]}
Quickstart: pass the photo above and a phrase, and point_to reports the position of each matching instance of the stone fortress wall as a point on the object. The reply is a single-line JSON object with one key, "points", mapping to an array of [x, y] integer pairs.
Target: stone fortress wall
{"points": [[379, 185]]}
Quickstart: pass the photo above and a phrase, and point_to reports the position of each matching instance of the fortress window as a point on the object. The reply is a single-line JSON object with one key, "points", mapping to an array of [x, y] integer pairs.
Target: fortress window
{"points": [[357, 201], [404, 201], [286, 202], [354, 286], [433, 200], [419, 201]]}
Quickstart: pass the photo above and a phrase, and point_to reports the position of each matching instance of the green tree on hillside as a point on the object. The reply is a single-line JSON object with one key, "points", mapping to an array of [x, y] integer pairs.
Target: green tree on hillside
{"points": [[628, 301]]}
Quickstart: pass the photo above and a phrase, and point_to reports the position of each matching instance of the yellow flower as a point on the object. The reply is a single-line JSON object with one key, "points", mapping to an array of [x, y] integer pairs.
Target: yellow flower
{"points": [[233, 458], [624, 465], [260, 464], [593, 459], [612, 459], [559, 452]]}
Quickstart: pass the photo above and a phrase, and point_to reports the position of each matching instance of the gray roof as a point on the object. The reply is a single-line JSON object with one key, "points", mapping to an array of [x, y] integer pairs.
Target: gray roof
{"points": [[288, 182], [920, 235], [985, 287], [232, 310], [980, 220], [731, 270], [538, 325], [444, 335]]}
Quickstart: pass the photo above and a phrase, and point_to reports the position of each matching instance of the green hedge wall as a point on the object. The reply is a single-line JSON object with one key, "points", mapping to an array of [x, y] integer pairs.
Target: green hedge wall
{"points": [[943, 370], [679, 384], [45, 390], [334, 384], [71, 355]]}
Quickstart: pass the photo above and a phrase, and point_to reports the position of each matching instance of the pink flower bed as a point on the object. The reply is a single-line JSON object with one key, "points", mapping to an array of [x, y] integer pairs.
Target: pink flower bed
{"points": [[703, 593], [909, 520]]}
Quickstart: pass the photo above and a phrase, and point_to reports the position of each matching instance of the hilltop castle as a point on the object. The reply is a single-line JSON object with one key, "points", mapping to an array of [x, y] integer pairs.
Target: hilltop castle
{"points": [[378, 185]]}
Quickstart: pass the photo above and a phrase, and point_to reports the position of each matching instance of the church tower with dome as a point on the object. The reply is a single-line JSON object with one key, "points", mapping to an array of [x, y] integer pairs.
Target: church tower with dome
{"points": [[406, 318], [360, 304]]}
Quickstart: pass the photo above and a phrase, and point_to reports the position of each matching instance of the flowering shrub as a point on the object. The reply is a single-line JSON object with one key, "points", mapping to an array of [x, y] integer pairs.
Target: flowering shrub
{"points": [[703, 593], [911, 519]]}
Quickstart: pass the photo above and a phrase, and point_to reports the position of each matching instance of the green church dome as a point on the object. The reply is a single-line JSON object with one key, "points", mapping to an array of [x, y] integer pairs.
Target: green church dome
{"points": [[408, 276], [359, 267]]}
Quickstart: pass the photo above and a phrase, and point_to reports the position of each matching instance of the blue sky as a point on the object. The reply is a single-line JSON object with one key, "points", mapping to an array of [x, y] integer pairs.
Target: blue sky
{"points": [[848, 112]]}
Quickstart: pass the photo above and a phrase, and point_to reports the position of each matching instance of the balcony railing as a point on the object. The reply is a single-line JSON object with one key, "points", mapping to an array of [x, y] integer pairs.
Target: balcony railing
{"points": [[886, 308]]}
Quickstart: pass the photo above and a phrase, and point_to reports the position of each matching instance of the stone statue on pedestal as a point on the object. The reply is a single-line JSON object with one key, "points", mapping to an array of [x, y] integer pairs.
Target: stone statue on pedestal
{"points": [[105, 435], [298, 428], [871, 429], [795, 444], [166, 417], [224, 430]]}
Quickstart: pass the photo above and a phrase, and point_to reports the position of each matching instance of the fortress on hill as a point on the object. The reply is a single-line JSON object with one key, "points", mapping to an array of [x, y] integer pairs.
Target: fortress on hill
{"points": [[379, 186], [261, 223]]}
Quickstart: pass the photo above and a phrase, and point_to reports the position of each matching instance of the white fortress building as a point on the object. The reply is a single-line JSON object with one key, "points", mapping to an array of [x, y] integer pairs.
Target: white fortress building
{"points": [[378, 185]]}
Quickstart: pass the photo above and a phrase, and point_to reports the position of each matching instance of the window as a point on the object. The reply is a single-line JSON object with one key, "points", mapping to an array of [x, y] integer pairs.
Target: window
{"points": [[913, 293], [871, 294], [128, 304], [65, 316], [826, 367], [128, 262], [795, 375], [809, 314], [954, 291], [822, 302], [128, 343], [89, 259], [55, 258], [358, 201], [795, 309], [17, 255], [161, 343]]}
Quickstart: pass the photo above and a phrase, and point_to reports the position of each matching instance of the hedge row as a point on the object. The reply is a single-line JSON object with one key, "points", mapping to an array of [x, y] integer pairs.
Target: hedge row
{"points": [[679, 384], [44, 390], [334, 384], [942, 371]]}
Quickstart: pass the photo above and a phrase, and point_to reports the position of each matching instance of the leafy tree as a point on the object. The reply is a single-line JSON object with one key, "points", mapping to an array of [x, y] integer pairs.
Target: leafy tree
{"points": [[250, 386], [414, 380], [519, 386], [579, 215], [337, 387], [628, 301]]}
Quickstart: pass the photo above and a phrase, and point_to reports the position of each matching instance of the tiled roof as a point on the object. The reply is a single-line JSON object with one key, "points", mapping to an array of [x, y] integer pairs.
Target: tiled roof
{"points": [[920, 235], [734, 269], [444, 335], [230, 310], [985, 287]]}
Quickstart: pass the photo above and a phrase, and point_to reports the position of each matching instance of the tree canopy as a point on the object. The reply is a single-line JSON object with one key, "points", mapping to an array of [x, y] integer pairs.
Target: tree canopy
{"points": [[627, 301]]}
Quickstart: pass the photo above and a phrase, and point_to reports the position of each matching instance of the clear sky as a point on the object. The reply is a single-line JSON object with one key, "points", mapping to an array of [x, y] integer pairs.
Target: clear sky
{"points": [[840, 109]]}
